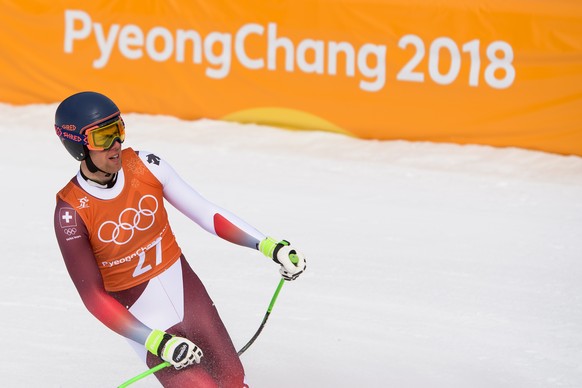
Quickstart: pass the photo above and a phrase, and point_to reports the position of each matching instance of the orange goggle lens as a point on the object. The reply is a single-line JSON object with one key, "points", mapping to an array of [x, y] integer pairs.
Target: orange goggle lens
{"points": [[102, 138]]}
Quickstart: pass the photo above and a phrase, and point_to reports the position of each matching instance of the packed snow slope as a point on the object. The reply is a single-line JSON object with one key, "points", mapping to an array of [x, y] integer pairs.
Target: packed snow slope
{"points": [[429, 265]]}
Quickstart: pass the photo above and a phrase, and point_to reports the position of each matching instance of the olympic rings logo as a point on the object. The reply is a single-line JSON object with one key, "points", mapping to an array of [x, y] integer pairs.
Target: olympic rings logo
{"points": [[70, 231], [115, 229]]}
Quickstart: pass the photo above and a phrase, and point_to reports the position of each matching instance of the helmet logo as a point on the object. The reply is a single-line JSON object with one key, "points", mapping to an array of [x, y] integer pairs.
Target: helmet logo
{"points": [[63, 131], [73, 137]]}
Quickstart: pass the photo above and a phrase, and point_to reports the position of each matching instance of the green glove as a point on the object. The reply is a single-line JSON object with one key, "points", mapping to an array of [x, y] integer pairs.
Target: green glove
{"points": [[292, 262], [178, 351]]}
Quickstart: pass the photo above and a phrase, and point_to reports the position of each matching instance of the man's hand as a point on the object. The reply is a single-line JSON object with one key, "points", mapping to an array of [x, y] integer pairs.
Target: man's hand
{"points": [[292, 261], [178, 351]]}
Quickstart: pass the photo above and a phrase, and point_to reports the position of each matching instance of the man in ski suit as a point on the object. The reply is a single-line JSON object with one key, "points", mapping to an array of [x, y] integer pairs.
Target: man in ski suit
{"points": [[120, 251]]}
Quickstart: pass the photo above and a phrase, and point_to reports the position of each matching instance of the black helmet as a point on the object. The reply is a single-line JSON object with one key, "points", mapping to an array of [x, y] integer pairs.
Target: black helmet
{"points": [[79, 112]]}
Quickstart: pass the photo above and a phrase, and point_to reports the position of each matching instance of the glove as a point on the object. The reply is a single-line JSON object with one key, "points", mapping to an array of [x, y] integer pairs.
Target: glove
{"points": [[178, 351], [292, 262]]}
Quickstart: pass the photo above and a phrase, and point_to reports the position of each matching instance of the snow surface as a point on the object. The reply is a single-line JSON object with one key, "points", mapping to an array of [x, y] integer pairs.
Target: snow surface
{"points": [[429, 265]]}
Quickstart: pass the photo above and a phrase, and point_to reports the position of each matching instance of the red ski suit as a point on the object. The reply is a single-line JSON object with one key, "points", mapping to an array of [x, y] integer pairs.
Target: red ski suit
{"points": [[130, 272]]}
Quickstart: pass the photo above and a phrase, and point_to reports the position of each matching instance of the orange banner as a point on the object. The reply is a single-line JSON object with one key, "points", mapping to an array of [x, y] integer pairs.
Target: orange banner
{"points": [[502, 73]]}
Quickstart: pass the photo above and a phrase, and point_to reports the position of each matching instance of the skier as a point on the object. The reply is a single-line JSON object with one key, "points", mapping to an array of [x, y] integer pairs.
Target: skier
{"points": [[122, 256]]}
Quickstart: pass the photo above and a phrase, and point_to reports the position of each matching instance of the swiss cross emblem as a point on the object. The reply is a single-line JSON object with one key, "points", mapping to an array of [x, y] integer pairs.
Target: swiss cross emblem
{"points": [[67, 217]]}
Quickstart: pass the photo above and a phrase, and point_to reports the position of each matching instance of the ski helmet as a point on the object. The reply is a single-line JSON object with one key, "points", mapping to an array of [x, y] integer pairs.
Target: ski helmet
{"points": [[77, 113]]}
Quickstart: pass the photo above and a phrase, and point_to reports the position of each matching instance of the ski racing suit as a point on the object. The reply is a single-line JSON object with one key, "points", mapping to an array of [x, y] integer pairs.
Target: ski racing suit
{"points": [[130, 272]]}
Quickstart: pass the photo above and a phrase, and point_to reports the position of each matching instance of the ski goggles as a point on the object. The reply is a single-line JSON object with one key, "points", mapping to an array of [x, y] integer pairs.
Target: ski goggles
{"points": [[102, 137]]}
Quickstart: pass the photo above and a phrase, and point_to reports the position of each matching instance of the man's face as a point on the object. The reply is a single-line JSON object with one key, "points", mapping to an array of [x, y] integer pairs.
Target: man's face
{"points": [[108, 160]]}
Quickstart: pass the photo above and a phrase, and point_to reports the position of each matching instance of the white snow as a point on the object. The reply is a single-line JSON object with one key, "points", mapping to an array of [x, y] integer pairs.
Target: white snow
{"points": [[429, 265]]}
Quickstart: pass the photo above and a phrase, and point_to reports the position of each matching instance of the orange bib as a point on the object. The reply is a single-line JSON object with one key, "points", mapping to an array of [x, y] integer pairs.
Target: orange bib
{"points": [[131, 238]]}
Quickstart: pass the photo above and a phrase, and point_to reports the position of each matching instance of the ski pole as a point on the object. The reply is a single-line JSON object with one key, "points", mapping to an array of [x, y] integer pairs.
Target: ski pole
{"points": [[273, 299], [144, 374], [294, 260], [244, 348]]}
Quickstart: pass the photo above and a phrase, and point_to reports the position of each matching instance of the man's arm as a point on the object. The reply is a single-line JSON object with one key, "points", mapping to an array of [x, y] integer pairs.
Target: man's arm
{"points": [[221, 222], [78, 255], [209, 216]]}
